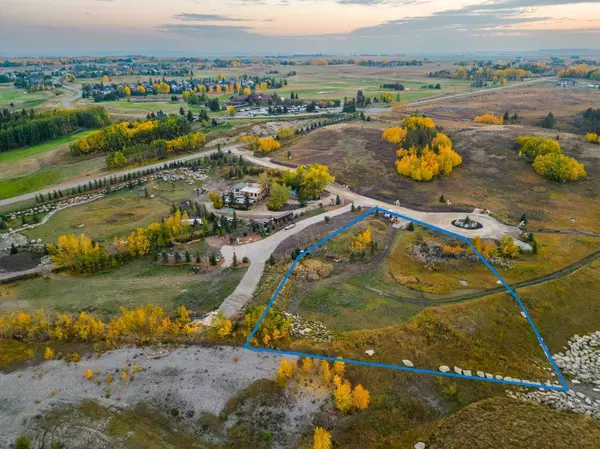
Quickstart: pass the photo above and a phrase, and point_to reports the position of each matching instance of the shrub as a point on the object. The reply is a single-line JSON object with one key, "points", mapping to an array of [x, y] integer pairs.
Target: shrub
{"points": [[489, 119], [49, 353], [593, 138], [22, 442], [533, 146], [558, 167]]}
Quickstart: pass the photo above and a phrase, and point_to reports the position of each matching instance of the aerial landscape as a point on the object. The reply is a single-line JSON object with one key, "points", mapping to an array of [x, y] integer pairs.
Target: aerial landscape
{"points": [[298, 224]]}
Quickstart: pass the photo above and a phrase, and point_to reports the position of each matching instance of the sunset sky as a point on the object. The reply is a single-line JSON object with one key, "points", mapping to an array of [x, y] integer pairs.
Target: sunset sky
{"points": [[203, 27]]}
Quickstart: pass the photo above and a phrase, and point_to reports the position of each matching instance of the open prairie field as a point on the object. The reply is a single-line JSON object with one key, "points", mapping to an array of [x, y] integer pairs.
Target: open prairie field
{"points": [[355, 152], [532, 103]]}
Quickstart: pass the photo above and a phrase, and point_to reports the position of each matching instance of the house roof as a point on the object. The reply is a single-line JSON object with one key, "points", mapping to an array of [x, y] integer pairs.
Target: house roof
{"points": [[251, 189]]}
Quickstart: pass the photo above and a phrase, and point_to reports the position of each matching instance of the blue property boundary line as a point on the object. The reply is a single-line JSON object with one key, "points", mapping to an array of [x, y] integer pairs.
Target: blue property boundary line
{"points": [[563, 387]]}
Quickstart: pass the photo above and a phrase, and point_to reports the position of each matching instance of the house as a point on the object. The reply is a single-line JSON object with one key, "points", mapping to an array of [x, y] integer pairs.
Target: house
{"points": [[254, 191]]}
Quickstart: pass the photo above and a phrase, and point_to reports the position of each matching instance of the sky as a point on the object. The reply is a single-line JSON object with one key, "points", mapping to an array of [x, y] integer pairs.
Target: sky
{"points": [[259, 27]]}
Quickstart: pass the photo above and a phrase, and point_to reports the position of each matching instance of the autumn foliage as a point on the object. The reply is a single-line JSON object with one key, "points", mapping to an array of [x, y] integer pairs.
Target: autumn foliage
{"points": [[424, 153], [489, 119], [80, 255], [361, 240], [260, 145], [559, 168], [321, 439], [548, 159], [141, 325], [593, 138]]}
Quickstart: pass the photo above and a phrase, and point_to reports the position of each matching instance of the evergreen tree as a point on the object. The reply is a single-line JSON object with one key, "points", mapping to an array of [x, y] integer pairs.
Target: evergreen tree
{"points": [[549, 121]]}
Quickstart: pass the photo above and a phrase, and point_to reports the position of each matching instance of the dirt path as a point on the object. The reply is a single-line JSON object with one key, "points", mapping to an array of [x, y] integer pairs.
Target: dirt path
{"points": [[479, 92], [477, 295]]}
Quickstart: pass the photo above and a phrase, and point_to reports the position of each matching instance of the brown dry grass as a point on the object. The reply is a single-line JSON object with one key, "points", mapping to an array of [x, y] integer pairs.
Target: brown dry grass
{"points": [[492, 176]]}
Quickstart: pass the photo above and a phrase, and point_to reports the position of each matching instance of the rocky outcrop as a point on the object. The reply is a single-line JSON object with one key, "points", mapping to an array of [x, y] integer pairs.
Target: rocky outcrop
{"points": [[309, 330], [582, 359], [571, 401]]}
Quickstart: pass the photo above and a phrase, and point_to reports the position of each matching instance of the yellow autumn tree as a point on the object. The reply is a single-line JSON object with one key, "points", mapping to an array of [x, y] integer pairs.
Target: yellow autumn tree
{"points": [[394, 134], [80, 254], [231, 110], [284, 372], [559, 167], [508, 248], [268, 144], [325, 371], [49, 353], [424, 153], [360, 397], [316, 178], [307, 364], [321, 439], [342, 396], [593, 138], [339, 367], [489, 119], [359, 242]]}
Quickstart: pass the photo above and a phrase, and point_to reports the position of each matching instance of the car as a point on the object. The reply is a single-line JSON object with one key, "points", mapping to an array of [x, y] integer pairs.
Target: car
{"points": [[290, 226]]}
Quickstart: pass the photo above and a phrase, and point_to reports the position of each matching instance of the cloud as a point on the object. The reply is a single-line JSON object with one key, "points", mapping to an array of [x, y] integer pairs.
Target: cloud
{"points": [[469, 19], [380, 2], [193, 17], [205, 31]]}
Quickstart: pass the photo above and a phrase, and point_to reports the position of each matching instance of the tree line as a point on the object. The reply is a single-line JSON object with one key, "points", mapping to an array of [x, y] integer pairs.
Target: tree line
{"points": [[30, 128]]}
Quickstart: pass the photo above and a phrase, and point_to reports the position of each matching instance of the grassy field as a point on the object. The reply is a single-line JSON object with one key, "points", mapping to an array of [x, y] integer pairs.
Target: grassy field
{"points": [[38, 158], [137, 283], [390, 286], [116, 214], [21, 98], [492, 423], [554, 252], [48, 178]]}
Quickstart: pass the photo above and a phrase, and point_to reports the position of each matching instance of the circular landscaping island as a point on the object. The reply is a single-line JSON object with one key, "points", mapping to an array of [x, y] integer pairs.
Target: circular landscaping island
{"points": [[466, 223]]}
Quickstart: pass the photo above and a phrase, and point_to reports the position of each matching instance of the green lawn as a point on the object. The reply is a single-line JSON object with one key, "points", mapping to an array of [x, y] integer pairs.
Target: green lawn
{"points": [[37, 181], [137, 283], [21, 98], [11, 156], [176, 191], [116, 214]]}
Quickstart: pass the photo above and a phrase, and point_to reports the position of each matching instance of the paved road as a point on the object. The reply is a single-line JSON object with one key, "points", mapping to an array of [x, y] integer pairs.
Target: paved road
{"points": [[491, 227], [258, 252], [68, 103], [72, 184]]}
